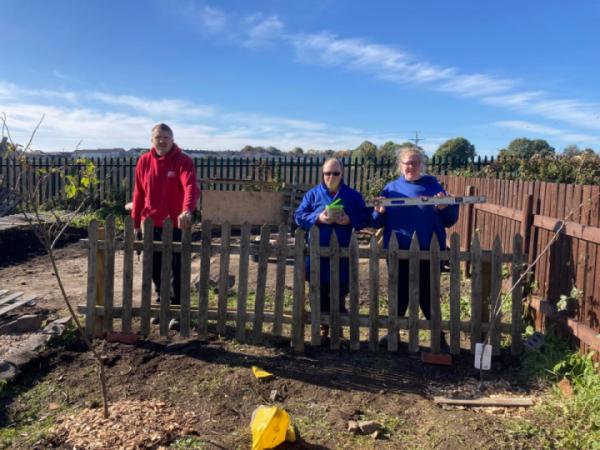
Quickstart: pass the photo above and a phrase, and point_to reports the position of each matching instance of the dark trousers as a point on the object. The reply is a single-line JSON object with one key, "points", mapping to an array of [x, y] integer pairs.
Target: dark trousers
{"points": [[175, 267], [326, 299], [424, 288]]}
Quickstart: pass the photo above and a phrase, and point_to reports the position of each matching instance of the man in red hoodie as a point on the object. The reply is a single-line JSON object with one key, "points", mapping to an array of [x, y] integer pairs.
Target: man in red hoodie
{"points": [[165, 186]]}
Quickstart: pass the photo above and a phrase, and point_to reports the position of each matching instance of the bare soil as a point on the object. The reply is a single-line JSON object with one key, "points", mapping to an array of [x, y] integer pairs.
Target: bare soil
{"points": [[321, 389]]}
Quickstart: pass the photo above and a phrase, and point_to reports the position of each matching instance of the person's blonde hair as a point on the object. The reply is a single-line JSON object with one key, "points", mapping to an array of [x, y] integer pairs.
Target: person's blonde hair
{"points": [[410, 149]]}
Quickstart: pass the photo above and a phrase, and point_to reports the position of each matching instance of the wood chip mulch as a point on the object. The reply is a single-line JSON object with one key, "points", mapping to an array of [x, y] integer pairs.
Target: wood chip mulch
{"points": [[131, 424]]}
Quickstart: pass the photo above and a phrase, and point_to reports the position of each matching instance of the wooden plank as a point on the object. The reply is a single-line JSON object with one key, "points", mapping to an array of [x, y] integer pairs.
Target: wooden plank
{"points": [[298, 296], [100, 267], [413, 296], [436, 312], [526, 222], [475, 292], [146, 277], [3, 292], [334, 295], [90, 314], [374, 295], [591, 309], [315, 283], [495, 297], [223, 275], [454, 294], [16, 304], [186, 274], [516, 332], [11, 297], [109, 271], [261, 283], [485, 401], [280, 278], [354, 325], [579, 231], [393, 268], [204, 277], [127, 301], [242, 297], [165, 276]]}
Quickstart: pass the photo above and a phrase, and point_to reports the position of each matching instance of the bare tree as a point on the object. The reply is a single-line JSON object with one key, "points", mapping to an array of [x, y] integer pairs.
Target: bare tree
{"points": [[48, 227]]}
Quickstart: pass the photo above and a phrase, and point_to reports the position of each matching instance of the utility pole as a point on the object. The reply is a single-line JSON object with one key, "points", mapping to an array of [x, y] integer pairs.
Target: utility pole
{"points": [[416, 139]]}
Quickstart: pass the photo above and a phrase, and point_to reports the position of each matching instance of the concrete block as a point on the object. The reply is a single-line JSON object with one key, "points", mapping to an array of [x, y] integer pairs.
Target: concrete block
{"points": [[23, 324]]}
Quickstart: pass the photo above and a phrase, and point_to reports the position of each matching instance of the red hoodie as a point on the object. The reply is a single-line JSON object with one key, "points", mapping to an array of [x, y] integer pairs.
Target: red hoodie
{"points": [[165, 186]]}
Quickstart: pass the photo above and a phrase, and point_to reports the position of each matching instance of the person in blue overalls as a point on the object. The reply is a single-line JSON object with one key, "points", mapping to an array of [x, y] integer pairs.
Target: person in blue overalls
{"points": [[351, 214]]}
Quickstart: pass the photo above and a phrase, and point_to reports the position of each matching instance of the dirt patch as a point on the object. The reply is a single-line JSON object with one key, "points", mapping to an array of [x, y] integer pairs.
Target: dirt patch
{"points": [[321, 390]]}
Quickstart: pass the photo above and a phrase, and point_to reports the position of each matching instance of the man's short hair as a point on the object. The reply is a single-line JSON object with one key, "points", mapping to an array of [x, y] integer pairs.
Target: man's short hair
{"points": [[162, 127]]}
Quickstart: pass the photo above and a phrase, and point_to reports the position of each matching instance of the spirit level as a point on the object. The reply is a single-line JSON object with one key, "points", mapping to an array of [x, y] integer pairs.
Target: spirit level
{"points": [[416, 201]]}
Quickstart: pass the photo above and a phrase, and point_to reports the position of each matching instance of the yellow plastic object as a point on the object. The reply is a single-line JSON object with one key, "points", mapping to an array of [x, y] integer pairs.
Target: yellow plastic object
{"points": [[271, 426], [260, 373]]}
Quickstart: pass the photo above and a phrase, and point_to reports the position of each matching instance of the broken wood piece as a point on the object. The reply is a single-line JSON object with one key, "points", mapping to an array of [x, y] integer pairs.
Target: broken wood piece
{"points": [[485, 401]]}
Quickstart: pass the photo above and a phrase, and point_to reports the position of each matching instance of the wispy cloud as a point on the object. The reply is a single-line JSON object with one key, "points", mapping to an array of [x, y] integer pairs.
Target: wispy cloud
{"points": [[262, 31], [544, 130], [113, 120], [64, 77], [164, 107]]}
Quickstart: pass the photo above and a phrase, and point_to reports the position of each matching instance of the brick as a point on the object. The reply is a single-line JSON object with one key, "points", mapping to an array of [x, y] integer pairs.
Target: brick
{"points": [[441, 359]]}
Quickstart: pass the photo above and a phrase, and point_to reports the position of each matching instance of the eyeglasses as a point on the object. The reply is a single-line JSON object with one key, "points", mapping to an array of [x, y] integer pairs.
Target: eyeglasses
{"points": [[411, 163], [333, 174]]}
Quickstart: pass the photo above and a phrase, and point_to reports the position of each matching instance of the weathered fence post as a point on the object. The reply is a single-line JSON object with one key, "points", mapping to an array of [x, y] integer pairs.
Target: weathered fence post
{"points": [[186, 268], [223, 275], [165, 276], [475, 292], [517, 298], [414, 269], [373, 295], [109, 272], [455, 294], [127, 275], [261, 282], [334, 293], [282, 250], [315, 283], [298, 297], [205, 252], [147, 276], [92, 280], [469, 226], [434, 281], [393, 268], [354, 324], [242, 299], [495, 299]]}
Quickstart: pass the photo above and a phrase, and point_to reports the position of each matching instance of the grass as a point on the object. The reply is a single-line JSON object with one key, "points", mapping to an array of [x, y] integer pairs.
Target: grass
{"points": [[562, 421]]}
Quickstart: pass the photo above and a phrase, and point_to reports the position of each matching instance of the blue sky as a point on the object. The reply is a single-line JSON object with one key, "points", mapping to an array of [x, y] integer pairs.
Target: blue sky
{"points": [[314, 74]]}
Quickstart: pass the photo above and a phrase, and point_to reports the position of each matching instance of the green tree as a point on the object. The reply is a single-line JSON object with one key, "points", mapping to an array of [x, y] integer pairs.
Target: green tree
{"points": [[366, 150], [458, 149], [389, 150], [523, 148], [297, 151]]}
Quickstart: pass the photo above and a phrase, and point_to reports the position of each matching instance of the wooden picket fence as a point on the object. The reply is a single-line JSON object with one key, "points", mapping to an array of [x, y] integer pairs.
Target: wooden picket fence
{"points": [[101, 309]]}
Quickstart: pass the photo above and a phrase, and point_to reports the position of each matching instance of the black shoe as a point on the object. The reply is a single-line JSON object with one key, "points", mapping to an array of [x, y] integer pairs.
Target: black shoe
{"points": [[154, 321], [444, 347]]}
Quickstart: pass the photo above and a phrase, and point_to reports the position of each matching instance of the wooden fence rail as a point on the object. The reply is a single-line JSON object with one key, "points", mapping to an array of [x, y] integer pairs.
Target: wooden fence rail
{"points": [[301, 322]]}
